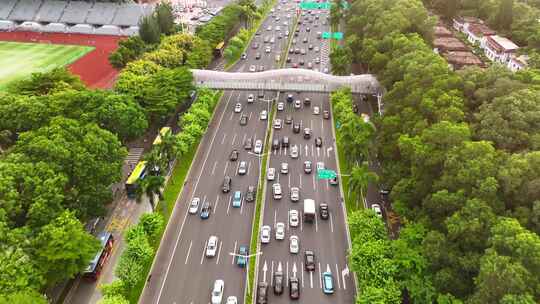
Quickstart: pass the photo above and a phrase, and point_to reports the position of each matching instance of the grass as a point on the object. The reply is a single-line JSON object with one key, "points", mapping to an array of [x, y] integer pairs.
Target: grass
{"points": [[19, 60]]}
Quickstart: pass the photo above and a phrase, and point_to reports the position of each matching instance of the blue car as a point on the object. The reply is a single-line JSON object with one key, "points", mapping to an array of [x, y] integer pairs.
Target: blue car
{"points": [[205, 211], [237, 199], [328, 282], [241, 259]]}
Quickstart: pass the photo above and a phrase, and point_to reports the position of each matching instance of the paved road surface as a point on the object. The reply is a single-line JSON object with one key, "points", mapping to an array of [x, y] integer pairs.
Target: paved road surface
{"points": [[182, 273]]}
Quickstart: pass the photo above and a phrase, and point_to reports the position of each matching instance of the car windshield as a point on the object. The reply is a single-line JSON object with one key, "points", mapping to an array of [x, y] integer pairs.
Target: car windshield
{"points": [[216, 293]]}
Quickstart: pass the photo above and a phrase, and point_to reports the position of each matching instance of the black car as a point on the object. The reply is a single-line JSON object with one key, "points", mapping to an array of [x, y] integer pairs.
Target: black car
{"points": [[205, 210], [275, 144], [290, 98], [250, 194], [262, 293], [305, 40], [285, 142], [301, 62], [294, 288], [307, 133], [297, 51], [243, 120], [248, 144], [278, 282], [334, 181], [323, 211], [318, 142], [309, 260], [296, 128], [288, 119], [258, 56], [260, 94], [226, 184], [289, 58], [234, 155], [291, 50], [307, 101]]}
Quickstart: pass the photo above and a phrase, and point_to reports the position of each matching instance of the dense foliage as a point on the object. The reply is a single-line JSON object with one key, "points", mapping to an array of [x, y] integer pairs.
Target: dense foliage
{"points": [[221, 26], [460, 153]]}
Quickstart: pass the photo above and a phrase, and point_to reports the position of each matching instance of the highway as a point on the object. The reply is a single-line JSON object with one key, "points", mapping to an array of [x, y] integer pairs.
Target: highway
{"points": [[326, 238], [181, 272]]}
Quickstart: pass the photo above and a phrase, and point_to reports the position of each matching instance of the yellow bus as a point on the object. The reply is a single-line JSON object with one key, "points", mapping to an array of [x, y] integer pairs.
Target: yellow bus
{"points": [[133, 180], [163, 132], [218, 51]]}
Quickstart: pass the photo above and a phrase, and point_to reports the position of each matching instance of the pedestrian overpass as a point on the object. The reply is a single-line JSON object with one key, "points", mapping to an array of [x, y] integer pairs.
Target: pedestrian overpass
{"points": [[286, 80]]}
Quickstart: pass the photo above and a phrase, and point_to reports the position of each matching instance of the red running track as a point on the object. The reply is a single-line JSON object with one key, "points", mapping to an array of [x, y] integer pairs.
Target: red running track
{"points": [[93, 68]]}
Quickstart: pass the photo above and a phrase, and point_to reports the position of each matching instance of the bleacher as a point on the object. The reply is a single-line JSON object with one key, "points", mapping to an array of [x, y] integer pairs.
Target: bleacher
{"points": [[78, 16]]}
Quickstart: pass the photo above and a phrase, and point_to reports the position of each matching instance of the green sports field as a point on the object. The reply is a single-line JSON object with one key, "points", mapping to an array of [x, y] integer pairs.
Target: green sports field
{"points": [[19, 60]]}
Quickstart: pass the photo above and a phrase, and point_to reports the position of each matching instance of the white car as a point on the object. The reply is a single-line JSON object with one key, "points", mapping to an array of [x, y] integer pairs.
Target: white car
{"points": [[268, 49], [194, 205], [258, 146], [280, 106], [295, 194], [294, 219], [276, 190], [294, 151], [252, 68], [271, 174], [316, 110], [277, 123], [250, 98], [297, 104], [242, 168], [280, 231], [284, 168], [212, 246], [217, 291], [320, 166], [238, 108], [232, 300], [264, 115], [294, 244], [377, 209], [266, 232]]}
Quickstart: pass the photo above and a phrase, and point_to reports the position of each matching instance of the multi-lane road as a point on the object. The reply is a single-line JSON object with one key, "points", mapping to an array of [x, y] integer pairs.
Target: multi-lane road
{"points": [[181, 272], [326, 238]]}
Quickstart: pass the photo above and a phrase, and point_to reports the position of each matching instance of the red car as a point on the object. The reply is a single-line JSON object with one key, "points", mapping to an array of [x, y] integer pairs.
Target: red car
{"points": [[295, 65]]}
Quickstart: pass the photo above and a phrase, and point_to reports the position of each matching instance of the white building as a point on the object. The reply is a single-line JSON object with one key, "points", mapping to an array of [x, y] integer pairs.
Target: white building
{"points": [[499, 49]]}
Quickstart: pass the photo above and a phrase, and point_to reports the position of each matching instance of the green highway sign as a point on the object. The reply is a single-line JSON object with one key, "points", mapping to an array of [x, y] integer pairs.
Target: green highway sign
{"points": [[338, 124], [311, 5], [326, 174], [335, 35]]}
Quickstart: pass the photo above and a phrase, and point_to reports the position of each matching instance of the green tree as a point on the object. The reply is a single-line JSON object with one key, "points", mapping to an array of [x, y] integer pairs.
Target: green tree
{"points": [[23, 297], [504, 15], [164, 17], [448, 8], [150, 186], [63, 248], [359, 180], [38, 84], [341, 60], [149, 29]]}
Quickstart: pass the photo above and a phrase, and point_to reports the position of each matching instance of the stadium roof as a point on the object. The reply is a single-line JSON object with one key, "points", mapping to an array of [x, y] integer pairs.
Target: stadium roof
{"points": [[25, 10], [51, 11], [6, 8], [130, 14]]}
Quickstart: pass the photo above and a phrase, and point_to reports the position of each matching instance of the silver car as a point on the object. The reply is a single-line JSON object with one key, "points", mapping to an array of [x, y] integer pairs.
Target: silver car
{"points": [[194, 205], [242, 168], [294, 151], [295, 194], [258, 146]]}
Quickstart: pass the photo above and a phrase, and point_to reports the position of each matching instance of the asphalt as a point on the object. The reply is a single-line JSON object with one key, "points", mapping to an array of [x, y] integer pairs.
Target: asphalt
{"points": [[181, 273], [327, 238]]}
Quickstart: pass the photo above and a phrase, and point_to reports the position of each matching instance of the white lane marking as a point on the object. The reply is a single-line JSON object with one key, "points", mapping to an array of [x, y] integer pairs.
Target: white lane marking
{"points": [[216, 204], [337, 277], [343, 279], [214, 168], [204, 251], [244, 138], [331, 223], [311, 124], [226, 166], [231, 117], [242, 205], [314, 184], [302, 273], [289, 181], [287, 274], [300, 150], [272, 274], [233, 139], [250, 115], [285, 151], [223, 139], [320, 279], [327, 185], [234, 251], [249, 166], [229, 205], [188, 251], [300, 180], [316, 224], [306, 148], [236, 170], [275, 218], [318, 152], [312, 151], [311, 278], [219, 252], [322, 127]]}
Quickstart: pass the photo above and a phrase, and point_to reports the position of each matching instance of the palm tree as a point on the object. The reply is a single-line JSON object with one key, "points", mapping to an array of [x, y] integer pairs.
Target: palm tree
{"points": [[360, 179], [150, 186]]}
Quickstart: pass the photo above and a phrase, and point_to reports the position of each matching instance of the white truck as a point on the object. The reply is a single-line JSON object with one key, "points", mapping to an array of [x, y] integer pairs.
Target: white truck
{"points": [[309, 210]]}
